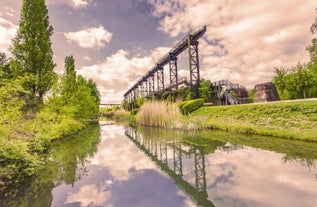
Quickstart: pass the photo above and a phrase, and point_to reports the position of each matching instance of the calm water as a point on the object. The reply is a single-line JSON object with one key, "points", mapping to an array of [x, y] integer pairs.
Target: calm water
{"points": [[114, 166]]}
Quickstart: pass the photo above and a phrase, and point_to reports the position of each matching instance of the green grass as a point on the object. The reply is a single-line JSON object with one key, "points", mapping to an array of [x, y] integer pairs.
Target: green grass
{"points": [[294, 120]]}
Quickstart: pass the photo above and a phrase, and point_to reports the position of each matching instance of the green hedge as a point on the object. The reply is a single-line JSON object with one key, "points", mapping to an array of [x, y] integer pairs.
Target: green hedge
{"points": [[190, 106]]}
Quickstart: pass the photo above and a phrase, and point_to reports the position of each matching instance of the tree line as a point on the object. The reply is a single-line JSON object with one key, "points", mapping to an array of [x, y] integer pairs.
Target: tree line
{"points": [[36, 104]]}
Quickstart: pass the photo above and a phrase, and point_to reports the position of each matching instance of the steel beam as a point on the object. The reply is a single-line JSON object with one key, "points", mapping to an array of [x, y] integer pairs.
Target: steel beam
{"points": [[200, 172], [151, 88], [189, 42], [160, 79], [193, 62], [173, 72], [177, 155]]}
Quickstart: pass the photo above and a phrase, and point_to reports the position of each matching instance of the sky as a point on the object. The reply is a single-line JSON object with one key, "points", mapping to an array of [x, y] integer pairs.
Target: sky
{"points": [[115, 42]]}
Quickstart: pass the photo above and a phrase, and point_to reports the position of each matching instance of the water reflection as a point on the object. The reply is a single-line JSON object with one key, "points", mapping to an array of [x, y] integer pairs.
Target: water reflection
{"points": [[120, 175], [168, 153], [255, 171], [64, 164], [154, 167]]}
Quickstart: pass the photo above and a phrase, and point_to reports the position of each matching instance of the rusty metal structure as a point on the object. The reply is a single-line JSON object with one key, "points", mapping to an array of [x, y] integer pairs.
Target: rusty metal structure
{"points": [[153, 82]]}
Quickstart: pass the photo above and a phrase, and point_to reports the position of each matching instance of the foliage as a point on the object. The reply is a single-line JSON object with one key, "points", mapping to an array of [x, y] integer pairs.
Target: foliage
{"points": [[192, 105], [139, 102], [32, 49], [29, 121], [205, 91], [251, 95], [11, 105], [134, 111], [298, 82], [5, 72], [63, 164], [15, 163]]}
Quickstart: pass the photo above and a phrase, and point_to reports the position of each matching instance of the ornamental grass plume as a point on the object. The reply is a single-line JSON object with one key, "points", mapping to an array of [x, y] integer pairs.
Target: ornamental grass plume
{"points": [[159, 114]]}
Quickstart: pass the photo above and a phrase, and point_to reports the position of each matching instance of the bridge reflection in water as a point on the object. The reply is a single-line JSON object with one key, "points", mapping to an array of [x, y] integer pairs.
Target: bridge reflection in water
{"points": [[169, 155]]}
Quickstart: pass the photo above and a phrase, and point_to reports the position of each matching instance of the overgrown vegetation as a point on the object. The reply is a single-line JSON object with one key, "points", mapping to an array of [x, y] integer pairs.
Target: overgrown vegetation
{"points": [[36, 105], [159, 114]]}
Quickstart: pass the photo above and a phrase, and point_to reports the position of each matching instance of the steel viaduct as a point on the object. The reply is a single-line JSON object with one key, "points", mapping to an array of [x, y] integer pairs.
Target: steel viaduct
{"points": [[153, 81]]}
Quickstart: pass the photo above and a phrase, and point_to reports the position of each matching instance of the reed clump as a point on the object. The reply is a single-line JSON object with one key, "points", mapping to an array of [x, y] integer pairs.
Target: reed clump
{"points": [[159, 114]]}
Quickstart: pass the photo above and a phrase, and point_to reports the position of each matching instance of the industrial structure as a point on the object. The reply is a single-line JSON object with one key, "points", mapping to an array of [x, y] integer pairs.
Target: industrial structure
{"points": [[154, 83], [172, 154], [229, 93]]}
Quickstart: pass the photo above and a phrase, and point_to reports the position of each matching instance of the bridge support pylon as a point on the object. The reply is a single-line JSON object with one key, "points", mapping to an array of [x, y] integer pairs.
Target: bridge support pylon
{"points": [[194, 70]]}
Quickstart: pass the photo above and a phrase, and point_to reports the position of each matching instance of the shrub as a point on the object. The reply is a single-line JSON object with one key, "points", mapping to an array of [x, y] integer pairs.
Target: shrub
{"points": [[191, 106], [134, 111]]}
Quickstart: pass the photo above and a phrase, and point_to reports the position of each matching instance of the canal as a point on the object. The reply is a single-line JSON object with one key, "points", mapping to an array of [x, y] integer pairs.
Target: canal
{"points": [[116, 166]]}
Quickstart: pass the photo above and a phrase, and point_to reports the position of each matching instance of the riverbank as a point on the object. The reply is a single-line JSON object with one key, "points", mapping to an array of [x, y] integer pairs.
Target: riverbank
{"points": [[293, 120]]}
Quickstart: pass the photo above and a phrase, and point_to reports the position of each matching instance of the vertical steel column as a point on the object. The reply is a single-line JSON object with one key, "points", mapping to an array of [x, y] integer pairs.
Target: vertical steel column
{"points": [[163, 153], [193, 65], [200, 172], [160, 79], [145, 88], [173, 72], [177, 154], [151, 84], [140, 90]]}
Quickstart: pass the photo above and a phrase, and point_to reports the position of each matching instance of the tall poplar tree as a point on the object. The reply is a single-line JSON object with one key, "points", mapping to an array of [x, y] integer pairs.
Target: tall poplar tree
{"points": [[32, 52], [69, 84]]}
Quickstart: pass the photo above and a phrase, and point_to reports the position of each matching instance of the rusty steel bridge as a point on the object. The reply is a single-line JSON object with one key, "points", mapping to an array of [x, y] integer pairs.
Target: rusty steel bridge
{"points": [[153, 82]]}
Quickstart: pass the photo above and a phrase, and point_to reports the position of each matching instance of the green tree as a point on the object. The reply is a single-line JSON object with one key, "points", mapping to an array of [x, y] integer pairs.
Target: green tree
{"points": [[205, 90], [5, 72], [69, 84], [295, 83], [32, 50], [303, 81], [280, 82]]}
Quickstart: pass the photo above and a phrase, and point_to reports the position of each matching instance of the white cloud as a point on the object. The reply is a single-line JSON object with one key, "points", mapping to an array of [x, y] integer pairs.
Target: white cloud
{"points": [[88, 195], [118, 72], [253, 37], [80, 3], [7, 32], [90, 37]]}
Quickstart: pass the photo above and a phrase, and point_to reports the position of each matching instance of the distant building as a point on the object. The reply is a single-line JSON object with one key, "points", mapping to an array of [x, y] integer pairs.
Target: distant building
{"points": [[265, 92]]}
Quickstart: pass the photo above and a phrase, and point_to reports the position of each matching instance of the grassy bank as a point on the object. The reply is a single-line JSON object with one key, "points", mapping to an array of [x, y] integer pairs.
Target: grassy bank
{"points": [[295, 120]]}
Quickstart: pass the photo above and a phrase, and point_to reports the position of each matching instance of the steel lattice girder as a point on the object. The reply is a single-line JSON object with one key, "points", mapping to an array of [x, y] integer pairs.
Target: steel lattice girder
{"points": [[175, 51], [193, 62], [173, 72], [144, 88], [150, 81], [160, 79], [200, 173]]}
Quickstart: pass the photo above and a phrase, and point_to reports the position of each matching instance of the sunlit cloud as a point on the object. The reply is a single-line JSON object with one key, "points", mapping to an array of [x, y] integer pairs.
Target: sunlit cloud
{"points": [[7, 32], [254, 37], [80, 3], [93, 37], [119, 71], [89, 195]]}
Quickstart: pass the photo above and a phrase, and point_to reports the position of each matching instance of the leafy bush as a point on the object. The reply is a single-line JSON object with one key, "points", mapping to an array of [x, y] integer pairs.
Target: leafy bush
{"points": [[15, 163], [192, 105], [134, 111]]}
